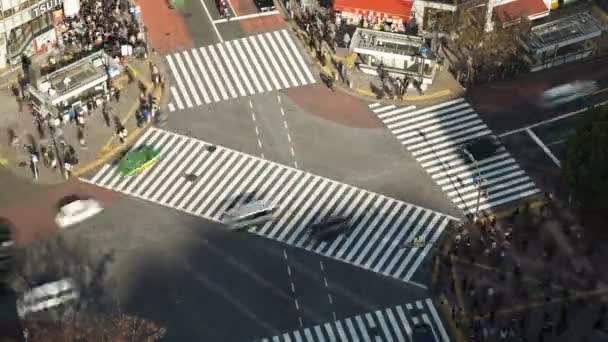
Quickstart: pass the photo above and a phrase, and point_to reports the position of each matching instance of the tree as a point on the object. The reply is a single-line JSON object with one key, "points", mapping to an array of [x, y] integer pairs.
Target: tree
{"points": [[489, 54], [117, 327], [586, 166]]}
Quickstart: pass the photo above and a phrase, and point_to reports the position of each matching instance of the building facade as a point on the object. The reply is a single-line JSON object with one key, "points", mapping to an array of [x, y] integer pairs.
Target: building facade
{"points": [[27, 27]]}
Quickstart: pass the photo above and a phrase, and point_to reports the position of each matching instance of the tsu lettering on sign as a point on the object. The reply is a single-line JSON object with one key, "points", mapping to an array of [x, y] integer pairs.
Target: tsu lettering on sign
{"points": [[45, 6]]}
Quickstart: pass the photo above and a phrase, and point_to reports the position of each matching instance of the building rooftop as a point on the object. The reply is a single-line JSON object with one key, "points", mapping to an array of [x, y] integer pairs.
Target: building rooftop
{"points": [[75, 78], [388, 42], [514, 11], [565, 31]]}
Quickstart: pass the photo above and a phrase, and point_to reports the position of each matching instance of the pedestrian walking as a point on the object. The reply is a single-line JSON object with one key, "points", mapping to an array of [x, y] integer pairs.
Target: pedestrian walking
{"points": [[122, 134]]}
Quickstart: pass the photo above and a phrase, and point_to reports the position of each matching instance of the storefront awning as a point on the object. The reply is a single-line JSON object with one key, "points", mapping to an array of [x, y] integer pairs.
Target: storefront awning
{"points": [[386, 8]]}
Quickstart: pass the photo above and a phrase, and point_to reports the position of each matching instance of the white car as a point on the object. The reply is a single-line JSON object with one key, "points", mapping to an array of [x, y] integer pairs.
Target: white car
{"points": [[568, 92], [47, 296], [77, 211]]}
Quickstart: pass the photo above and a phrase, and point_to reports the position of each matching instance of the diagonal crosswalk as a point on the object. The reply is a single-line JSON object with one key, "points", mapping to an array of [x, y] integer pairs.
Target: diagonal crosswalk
{"points": [[242, 67], [434, 136], [391, 324], [383, 228]]}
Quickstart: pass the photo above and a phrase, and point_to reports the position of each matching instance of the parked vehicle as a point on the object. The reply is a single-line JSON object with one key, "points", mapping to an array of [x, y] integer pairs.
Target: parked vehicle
{"points": [[77, 211], [265, 5]]}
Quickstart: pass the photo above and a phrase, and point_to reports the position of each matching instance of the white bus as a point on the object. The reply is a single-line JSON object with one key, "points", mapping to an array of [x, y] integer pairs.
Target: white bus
{"points": [[47, 296], [249, 214]]}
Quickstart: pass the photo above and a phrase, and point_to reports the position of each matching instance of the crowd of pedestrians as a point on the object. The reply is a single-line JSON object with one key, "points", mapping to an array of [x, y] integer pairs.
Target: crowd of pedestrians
{"points": [[513, 282], [109, 25]]}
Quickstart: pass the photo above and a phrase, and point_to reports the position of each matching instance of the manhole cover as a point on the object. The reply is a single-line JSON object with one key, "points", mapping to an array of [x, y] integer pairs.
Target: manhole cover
{"points": [[190, 177]]}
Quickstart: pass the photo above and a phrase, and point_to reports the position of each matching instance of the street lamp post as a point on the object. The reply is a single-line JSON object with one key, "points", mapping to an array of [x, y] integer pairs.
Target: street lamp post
{"points": [[479, 182]]}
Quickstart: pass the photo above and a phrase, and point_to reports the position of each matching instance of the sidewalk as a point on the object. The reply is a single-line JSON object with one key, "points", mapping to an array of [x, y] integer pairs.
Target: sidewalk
{"points": [[362, 85], [537, 273], [101, 141]]}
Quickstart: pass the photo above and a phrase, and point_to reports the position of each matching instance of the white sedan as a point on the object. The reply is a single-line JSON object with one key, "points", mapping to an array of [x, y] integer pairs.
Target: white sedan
{"points": [[77, 211]]}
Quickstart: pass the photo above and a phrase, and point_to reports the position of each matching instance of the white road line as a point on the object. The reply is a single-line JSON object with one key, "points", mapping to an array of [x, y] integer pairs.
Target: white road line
{"points": [[197, 79], [231, 71], [254, 58], [247, 62], [214, 74], [186, 73], [264, 58], [220, 67], [557, 118], [437, 320], [281, 60], [180, 84], [171, 107], [239, 66], [219, 36], [176, 98], [205, 74], [543, 147], [292, 62], [247, 16], [296, 52]]}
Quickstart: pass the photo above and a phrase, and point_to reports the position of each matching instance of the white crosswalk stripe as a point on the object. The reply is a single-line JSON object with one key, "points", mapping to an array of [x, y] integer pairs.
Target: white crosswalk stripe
{"points": [[391, 324], [224, 178], [435, 135], [243, 67]]}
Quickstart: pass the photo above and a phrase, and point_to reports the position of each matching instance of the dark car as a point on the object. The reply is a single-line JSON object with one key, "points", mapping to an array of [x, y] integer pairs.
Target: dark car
{"points": [[329, 228], [265, 5], [423, 333]]}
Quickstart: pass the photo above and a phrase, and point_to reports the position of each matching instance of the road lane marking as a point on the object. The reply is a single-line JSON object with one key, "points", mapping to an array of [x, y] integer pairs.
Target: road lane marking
{"points": [[219, 36], [557, 118], [543, 147]]}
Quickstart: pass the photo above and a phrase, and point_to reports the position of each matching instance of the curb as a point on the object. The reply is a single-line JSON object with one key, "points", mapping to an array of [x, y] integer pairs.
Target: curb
{"points": [[110, 154], [329, 70], [106, 152], [532, 204]]}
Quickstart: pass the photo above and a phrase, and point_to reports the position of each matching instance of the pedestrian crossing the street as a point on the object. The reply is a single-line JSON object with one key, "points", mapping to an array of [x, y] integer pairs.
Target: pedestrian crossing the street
{"points": [[435, 136], [242, 67], [391, 324], [386, 236]]}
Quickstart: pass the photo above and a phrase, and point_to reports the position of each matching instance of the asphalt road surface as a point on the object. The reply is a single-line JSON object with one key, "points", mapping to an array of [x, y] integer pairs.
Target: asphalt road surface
{"points": [[207, 284]]}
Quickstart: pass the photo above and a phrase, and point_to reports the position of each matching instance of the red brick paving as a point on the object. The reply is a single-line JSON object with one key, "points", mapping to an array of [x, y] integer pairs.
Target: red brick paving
{"points": [[335, 106], [33, 216], [166, 27]]}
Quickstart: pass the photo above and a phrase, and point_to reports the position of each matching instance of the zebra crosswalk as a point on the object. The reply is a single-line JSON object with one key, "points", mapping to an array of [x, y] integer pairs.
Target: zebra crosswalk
{"points": [[242, 67], [434, 136], [191, 177], [391, 324]]}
